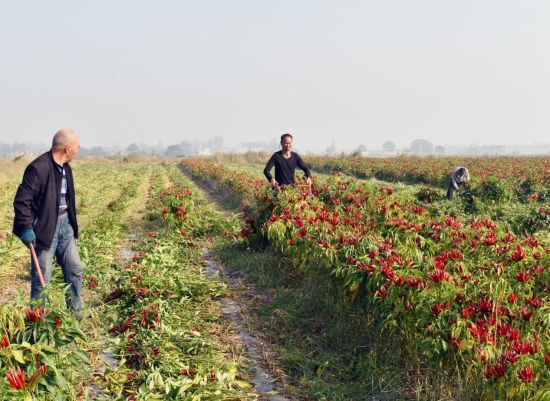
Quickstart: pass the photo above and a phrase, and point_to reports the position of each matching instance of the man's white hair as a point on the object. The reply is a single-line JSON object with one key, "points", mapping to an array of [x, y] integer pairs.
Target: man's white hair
{"points": [[62, 138]]}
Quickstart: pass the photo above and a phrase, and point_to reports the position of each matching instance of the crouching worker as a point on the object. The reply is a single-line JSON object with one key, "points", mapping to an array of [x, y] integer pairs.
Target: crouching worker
{"points": [[459, 176], [45, 215], [285, 162]]}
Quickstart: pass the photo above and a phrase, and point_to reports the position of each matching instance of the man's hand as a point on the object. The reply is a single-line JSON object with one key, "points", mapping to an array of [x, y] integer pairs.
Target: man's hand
{"points": [[28, 236], [275, 184], [308, 181]]}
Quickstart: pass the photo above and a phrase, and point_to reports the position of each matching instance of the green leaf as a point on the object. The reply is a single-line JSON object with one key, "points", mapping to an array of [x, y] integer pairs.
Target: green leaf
{"points": [[18, 356], [82, 355], [243, 384], [47, 361]]}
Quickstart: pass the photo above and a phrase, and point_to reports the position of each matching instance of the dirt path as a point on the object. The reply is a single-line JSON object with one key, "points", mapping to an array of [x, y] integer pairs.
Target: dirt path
{"points": [[258, 355], [263, 375]]}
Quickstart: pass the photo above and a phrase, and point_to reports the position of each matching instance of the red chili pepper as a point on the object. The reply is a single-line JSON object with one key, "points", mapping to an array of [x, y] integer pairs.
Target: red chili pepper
{"points": [[5, 342], [43, 369], [21, 376], [11, 379], [17, 380]]}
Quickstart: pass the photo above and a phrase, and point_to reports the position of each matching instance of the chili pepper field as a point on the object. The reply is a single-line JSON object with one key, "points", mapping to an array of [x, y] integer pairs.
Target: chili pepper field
{"points": [[374, 288]]}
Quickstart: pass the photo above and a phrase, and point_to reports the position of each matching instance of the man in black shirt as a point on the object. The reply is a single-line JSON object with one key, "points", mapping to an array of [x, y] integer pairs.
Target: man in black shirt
{"points": [[285, 163], [45, 215]]}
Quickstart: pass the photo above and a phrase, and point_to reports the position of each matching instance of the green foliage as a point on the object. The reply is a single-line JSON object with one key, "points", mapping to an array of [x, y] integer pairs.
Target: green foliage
{"points": [[163, 311], [536, 220], [525, 189], [492, 190], [435, 278], [428, 194], [334, 349], [544, 196], [468, 196], [44, 343]]}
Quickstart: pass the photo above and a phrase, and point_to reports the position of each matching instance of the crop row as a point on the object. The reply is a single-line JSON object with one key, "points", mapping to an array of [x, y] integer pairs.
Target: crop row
{"points": [[163, 320], [154, 315], [455, 289], [42, 354], [525, 177], [49, 339]]}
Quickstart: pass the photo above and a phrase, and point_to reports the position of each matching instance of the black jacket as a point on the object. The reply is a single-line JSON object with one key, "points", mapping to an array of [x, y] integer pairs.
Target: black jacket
{"points": [[37, 200], [285, 168]]}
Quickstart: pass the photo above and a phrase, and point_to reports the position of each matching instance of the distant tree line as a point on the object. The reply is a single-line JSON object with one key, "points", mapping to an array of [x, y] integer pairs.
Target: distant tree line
{"points": [[18, 148], [423, 147], [418, 147], [180, 149], [183, 148]]}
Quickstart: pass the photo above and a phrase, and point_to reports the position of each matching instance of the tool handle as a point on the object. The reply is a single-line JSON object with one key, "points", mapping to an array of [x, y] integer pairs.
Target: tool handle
{"points": [[37, 266]]}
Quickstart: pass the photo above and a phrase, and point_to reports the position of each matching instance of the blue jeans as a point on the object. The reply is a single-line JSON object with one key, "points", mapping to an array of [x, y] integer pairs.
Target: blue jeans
{"points": [[64, 249]]}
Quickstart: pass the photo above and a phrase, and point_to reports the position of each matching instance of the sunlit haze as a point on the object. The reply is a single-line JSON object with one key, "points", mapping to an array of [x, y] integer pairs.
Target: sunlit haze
{"points": [[329, 72]]}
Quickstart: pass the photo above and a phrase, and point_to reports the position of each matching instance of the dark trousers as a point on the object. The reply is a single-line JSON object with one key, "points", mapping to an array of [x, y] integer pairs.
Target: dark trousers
{"points": [[451, 190]]}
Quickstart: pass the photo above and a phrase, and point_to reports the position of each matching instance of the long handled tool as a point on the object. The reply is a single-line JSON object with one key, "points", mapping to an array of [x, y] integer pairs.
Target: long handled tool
{"points": [[37, 266]]}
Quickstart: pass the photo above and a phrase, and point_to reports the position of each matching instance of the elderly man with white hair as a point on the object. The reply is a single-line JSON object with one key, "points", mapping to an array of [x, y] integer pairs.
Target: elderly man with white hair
{"points": [[45, 215]]}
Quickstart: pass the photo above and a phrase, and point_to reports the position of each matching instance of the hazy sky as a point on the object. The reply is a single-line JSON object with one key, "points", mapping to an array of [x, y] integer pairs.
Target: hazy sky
{"points": [[356, 72]]}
